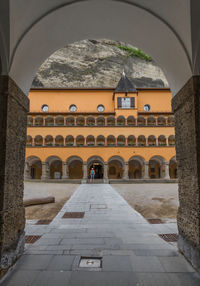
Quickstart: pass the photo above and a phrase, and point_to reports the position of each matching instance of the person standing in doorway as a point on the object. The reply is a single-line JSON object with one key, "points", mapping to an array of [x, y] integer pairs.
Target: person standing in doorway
{"points": [[92, 174]]}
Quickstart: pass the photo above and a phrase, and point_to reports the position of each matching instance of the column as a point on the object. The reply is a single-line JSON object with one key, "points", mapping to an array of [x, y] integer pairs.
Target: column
{"points": [[126, 142], [147, 143], [43, 123], [125, 121], [33, 142], [14, 106], [85, 173], [156, 141], [106, 142], [186, 107], [33, 121], [65, 170], [45, 171], [146, 170], [106, 121], [116, 141], [54, 141], [105, 173], [43, 142], [95, 141], [85, 141], [167, 141], [85, 121], [54, 121], [75, 123], [167, 171], [125, 171], [27, 171]]}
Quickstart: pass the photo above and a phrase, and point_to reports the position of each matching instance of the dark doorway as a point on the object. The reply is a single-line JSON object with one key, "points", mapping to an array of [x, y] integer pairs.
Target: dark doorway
{"points": [[98, 168]]}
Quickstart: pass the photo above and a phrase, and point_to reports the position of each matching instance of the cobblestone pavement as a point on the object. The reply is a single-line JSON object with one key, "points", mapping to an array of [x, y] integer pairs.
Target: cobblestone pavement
{"points": [[126, 246]]}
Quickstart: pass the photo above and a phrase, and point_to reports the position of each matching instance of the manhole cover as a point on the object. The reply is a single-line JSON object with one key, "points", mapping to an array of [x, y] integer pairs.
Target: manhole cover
{"points": [[31, 238], [169, 237], [44, 221], [73, 215], [154, 220], [90, 262], [98, 206]]}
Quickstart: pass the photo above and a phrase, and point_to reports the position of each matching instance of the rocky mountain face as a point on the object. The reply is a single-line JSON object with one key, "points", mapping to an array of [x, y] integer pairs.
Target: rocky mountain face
{"points": [[98, 64]]}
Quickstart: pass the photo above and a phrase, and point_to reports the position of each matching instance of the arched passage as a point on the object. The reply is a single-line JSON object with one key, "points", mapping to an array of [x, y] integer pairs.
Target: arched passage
{"points": [[173, 168], [97, 164], [33, 168], [136, 167], [157, 167], [115, 167], [75, 166], [55, 167]]}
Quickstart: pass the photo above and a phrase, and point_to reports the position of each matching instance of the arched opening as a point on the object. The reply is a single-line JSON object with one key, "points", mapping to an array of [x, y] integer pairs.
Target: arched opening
{"points": [[80, 121], [151, 121], [171, 120], [38, 140], [100, 140], [29, 141], [29, 121], [38, 121], [171, 140], [131, 140], [90, 121], [152, 141], [161, 121], [111, 140], [75, 166], [100, 121], [115, 167], [141, 140], [173, 168], [69, 121], [156, 167], [59, 120], [69, 141], [90, 141], [80, 141], [33, 168], [121, 140], [162, 140], [131, 121], [59, 141], [136, 166], [55, 167], [97, 164], [141, 121], [111, 121], [49, 121], [120, 121], [48, 140]]}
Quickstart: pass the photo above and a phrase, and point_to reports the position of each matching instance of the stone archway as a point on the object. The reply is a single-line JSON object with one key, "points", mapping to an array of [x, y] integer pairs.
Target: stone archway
{"points": [[97, 163], [33, 168], [75, 167], [173, 168], [115, 167], [136, 167], [55, 167], [179, 60], [157, 167]]}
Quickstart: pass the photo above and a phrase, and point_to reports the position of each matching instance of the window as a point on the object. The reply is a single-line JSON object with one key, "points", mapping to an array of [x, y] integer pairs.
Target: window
{"points": [[147, 107], [45, 108], [73, 108], [100, 108], [126, 102]]}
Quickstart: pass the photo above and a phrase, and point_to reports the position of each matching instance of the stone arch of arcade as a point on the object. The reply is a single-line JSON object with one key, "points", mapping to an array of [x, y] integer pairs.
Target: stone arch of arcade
{"points": [[179, 60]]}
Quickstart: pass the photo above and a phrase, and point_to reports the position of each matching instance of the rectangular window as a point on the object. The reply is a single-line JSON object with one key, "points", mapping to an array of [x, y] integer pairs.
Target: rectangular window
{"points": [[126, 102]]}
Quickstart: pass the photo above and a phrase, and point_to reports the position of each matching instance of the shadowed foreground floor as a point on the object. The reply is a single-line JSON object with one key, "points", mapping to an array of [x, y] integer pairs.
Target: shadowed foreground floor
{"points": [[132, 252]]}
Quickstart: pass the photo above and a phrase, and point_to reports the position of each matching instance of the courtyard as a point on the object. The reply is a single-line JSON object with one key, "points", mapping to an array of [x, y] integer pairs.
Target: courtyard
{"points": [[128, 248]]}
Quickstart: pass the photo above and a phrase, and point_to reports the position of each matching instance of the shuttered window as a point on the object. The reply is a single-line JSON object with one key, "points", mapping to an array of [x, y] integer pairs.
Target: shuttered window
{"points": [[119, 102]]}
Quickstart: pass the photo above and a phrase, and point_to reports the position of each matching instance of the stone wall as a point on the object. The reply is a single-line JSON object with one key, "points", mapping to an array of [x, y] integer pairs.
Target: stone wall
{"points": [[14, 106], [186, 106]]}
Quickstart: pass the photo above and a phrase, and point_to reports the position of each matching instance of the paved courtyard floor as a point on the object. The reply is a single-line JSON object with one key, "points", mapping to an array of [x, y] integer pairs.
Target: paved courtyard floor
{"points": [[128, 247]]}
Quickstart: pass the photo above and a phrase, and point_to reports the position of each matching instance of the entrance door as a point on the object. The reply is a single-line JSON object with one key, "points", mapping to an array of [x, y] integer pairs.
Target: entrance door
{"points": [[98, 168]]}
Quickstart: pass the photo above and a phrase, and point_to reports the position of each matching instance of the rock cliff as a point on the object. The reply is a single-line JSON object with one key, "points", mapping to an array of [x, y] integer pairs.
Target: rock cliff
{"points": [[97, 63]]}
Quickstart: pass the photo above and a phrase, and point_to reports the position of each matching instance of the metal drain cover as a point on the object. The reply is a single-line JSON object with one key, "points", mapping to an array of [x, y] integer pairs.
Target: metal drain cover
{"points": [[90, 262]]}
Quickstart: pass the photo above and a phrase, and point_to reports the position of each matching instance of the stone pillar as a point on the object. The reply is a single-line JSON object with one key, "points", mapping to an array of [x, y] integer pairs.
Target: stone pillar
{"points": [[75, 123], [33, 141], [125, 171], [106, 121], [33, 121], [156, 141], [106, 141], [45, 171], [85, 173], [65, 171], [166, 171], [27, 171], [14, 105], [105, 173], [146, 171], [186, 107]]}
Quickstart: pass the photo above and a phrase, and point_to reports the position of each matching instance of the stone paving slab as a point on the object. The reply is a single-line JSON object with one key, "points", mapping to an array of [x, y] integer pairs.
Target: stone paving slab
{"points": [[132, 252]]}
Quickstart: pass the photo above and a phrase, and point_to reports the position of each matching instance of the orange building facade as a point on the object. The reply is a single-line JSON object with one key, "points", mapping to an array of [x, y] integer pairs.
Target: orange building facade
{"points": [[123, 133]]}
